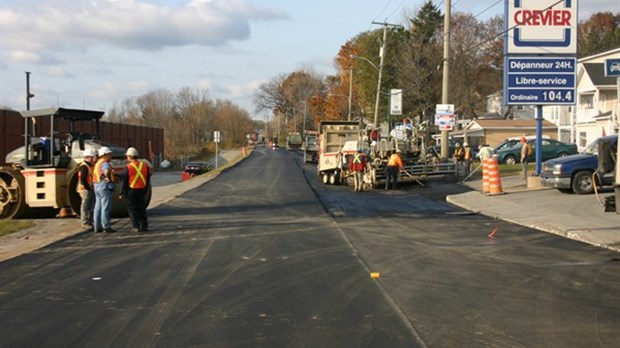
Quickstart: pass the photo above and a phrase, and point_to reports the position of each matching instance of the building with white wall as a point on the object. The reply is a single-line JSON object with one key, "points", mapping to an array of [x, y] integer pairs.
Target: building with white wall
{"points": [[597, 109]]}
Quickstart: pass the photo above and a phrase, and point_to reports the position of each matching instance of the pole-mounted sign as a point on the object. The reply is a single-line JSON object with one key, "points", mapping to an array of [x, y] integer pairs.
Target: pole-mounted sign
{"points": [[541, 27], [396, 102], [444, 116], [539, 66]]}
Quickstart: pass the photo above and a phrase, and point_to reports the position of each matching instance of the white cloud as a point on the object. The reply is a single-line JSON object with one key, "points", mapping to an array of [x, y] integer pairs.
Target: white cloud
{"points": [[245, 90], [133, 24], [106, 92], [57, 71], [137, 86], [206, 84]]}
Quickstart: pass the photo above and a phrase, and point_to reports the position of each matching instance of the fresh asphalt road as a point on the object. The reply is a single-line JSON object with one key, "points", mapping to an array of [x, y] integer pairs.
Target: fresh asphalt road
{"points": [[264, 255]]}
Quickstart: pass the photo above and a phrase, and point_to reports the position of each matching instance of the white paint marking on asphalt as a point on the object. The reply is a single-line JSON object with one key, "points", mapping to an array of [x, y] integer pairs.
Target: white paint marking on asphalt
{"points": [[96, 278]]}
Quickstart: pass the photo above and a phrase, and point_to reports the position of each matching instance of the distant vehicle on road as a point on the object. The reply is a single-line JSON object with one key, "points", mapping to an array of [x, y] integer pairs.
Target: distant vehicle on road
{"points": [[550, 149], [293, 141], [197, 168], [574, 173], [311, 146]]}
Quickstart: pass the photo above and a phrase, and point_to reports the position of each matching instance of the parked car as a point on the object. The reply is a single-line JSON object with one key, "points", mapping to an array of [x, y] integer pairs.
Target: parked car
{"points": [[574, 173], [550, 149], [510, 142], [197, 168]]}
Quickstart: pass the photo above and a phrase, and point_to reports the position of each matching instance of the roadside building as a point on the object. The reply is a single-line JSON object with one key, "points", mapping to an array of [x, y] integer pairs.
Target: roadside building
{"points": [[493, 132], [597, 106]]}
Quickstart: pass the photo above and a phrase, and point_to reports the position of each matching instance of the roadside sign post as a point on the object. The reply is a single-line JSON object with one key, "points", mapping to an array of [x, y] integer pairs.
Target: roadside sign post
{"points": [[612, 68], [540, 45], [216, 139], [444, 117], [396, 102]]}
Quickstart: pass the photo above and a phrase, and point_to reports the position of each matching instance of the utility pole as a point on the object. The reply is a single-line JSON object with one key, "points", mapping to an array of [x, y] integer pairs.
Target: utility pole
{"points": [[350, 91], [382, 58], [446, 71], [28, 94], [28, 97]]}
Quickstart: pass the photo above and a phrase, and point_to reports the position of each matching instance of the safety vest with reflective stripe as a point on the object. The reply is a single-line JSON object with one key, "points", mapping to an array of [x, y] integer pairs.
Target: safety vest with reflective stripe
{"points": [[468, 155], [458, 153], [97, 174], [89, 179], [358, 162], [395, 161], [137, 174]]}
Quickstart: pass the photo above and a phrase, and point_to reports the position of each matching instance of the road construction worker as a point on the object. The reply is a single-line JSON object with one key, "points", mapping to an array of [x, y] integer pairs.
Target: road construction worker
{"points": [[394, 166], [468, 157], [357, 167], [526, 152], [86, 189], [484, 152], [458, 157], [104, 183], [137, 178]]}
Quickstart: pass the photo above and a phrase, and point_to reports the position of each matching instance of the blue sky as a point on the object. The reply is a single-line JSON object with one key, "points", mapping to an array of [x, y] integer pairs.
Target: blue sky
{"points": [[95, 53]]}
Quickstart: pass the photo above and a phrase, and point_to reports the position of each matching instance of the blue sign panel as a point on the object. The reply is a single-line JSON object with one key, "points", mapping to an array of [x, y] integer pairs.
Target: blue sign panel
{"points": [[612, 67], [539, 80]]}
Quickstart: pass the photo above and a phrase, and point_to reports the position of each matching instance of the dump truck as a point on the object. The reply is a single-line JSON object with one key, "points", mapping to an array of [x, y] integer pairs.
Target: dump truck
{"points": [[40, 178], [333, 135], [339, 140], [311, 146], [293, 141]]}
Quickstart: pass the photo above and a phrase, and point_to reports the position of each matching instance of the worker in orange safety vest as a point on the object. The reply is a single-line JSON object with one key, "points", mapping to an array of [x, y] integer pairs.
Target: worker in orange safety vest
{"points": [[468, 157], [394, 166], [137, 179], [86, 189]]}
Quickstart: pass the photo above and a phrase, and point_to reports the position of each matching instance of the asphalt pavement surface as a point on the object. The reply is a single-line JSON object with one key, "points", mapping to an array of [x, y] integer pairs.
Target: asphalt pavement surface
{"points": [[266, 256]]}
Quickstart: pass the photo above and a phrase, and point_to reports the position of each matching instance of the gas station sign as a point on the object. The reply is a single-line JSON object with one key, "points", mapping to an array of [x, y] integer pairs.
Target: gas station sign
{"points": [[541, 27]]}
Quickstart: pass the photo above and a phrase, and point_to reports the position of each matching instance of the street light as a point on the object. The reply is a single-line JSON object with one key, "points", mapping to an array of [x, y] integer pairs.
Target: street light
{"points": [[304, 112], [380, 70]]}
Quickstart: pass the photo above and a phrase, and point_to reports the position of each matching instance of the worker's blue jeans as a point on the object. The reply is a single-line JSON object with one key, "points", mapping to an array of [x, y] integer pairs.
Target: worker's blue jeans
{"points": [[103, 205]]}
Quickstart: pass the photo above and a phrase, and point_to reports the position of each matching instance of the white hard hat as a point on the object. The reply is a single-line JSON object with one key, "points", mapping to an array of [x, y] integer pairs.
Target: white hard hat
{"points": [[132, 152], [104, 151], [465, 144], [457, 145], [89, 153]]}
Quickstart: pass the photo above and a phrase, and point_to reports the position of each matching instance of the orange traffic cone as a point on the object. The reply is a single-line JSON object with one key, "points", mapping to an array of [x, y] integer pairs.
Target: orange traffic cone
{"points": [[485, 175], [495, 181], [492, 234]]}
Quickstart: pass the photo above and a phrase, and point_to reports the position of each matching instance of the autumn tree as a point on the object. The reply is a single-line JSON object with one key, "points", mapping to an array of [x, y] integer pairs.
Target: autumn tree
{"points": [[288, 97], [420, 61], [600, 33], [188, 119]]}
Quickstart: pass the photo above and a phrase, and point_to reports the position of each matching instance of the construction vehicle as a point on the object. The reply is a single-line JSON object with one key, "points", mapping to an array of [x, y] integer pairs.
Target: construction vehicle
{"points": [[311, 146], [339, 140], [40, 177], [293, 141], [332, 166]]}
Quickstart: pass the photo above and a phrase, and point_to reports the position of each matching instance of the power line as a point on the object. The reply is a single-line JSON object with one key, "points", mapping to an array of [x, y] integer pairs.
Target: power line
{"points": [[397, 8], [488, 8], [512, 28]]}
